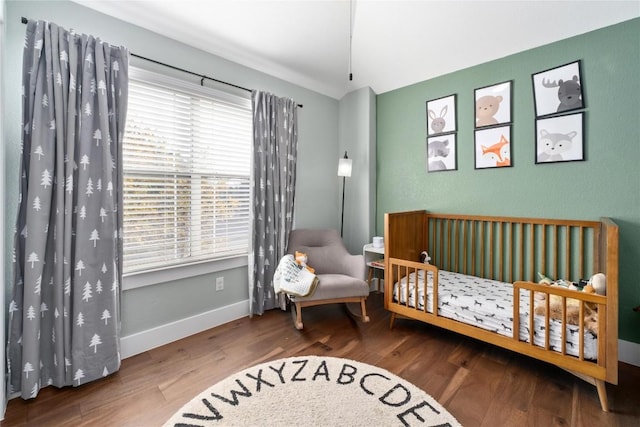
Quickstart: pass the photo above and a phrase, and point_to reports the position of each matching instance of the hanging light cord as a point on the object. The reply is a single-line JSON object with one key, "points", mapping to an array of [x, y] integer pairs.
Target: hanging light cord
{"points": [[350, 36]]}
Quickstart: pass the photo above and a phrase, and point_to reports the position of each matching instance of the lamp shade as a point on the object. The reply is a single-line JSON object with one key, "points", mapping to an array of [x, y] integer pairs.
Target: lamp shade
{"points": [[344, 167]]}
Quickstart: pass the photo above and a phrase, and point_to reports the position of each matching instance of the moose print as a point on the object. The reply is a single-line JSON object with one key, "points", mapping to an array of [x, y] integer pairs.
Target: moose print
{"points": [[569, 93]]}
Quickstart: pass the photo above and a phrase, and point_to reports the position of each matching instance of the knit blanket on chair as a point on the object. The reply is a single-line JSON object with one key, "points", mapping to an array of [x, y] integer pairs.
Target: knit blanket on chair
{"points": [[291, 279]]}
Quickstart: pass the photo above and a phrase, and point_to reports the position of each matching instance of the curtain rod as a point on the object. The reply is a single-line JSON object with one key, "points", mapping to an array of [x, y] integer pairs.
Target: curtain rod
{"points": [[202, 76]]}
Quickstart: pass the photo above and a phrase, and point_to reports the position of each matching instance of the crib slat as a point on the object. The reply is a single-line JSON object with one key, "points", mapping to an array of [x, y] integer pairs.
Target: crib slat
{"points": [[532, 249], [511, 243], [521, 252], [554, 251], [425, 294], [454, 245], [406, 290], [547, 330], [581, 252], [441, 252], [563, 333], [435, 293], [568, 252], [474, 249], [581, 330], [531, 324], [516, 314], [500, 251], [448, 246], [482, 251]]}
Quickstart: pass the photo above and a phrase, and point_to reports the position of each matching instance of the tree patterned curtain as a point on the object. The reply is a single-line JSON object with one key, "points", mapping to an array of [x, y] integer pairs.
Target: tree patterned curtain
{"points": [[275, 147], [64, 315]]}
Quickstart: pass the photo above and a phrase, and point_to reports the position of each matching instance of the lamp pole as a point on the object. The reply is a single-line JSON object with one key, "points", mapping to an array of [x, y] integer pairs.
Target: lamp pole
{"points": [[344, 180], [344, 170]]}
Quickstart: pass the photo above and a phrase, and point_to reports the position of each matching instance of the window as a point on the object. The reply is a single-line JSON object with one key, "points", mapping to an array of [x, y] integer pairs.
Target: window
{"points": [[186, 165]]}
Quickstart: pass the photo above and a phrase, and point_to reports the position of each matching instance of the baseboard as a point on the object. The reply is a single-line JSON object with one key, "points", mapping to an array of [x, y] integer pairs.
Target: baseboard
{"points": [[146, 340], [629, 352]]}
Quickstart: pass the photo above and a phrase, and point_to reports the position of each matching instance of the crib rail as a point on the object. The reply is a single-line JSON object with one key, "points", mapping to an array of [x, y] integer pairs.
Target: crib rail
{"points": [[598, 304]]}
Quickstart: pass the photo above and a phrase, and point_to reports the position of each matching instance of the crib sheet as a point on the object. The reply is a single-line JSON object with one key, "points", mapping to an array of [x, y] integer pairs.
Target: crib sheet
{"points": [[487, 304]]}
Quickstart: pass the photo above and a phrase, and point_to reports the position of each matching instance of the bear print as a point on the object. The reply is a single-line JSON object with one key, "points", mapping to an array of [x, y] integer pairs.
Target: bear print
{"points": [[486, 107]]}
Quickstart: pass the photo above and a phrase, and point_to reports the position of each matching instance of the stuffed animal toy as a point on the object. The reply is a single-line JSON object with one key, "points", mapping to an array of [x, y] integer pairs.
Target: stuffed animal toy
{"points": [[599, 283], [301, 260], [572, 305]]}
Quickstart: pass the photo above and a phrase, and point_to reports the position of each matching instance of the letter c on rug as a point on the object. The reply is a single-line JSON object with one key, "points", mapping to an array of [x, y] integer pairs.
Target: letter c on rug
{"points": [[366, 390]]}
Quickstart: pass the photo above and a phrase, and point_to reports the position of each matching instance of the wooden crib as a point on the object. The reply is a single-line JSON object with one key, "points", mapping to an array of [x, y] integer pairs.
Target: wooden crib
{"points": [[513, 250]]}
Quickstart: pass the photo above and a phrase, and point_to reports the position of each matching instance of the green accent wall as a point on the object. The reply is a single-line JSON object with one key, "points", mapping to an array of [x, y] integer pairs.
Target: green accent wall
{"points": [[606, 184]]}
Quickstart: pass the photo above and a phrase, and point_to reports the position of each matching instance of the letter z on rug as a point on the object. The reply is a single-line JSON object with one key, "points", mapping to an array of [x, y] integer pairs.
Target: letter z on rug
{"points": [[312, 391]]}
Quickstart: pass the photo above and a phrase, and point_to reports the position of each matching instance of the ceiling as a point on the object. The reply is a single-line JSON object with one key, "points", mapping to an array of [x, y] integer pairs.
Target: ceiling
{"points": [[394, 43]]}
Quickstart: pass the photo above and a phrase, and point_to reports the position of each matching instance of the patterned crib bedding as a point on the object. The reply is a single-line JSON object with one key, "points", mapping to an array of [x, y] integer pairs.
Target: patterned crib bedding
{"points": [[487, 304]]}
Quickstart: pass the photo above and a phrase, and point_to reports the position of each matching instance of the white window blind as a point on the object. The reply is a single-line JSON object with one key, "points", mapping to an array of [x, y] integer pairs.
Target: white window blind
{"points": [[186, 164]]}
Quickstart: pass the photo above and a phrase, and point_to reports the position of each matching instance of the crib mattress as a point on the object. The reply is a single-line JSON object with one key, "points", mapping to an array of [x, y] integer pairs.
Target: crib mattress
{"points": [[488, 304]]}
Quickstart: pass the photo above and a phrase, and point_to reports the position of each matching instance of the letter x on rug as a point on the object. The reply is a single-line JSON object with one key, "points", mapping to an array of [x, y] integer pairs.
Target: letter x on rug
{"points": [[312, 391]]}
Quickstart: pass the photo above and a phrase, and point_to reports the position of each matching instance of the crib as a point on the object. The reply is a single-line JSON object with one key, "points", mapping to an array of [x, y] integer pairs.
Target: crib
{"points": [[482, 279]]}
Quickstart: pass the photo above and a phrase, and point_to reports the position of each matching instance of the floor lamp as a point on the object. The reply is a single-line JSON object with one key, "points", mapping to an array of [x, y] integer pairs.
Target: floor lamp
{"points": [[344, 170]]}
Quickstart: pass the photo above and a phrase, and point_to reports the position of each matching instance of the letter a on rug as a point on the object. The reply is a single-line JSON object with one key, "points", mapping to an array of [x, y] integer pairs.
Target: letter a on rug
{"points": [[312, 391]]}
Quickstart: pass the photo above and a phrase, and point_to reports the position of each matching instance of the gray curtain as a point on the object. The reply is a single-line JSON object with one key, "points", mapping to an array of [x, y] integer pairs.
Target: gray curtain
{"points": [[64, 315], [275, 147]]}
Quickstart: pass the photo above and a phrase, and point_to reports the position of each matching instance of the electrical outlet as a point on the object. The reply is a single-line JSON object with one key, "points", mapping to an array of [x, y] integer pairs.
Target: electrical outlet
{"points": [[219, 283]]}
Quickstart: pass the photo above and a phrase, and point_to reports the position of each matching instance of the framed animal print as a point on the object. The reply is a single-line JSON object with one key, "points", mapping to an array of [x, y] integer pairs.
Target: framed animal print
{"points": [[558, 90], [493, 105], [493, 147], [560, 139], [441, 153], [441, 115]]}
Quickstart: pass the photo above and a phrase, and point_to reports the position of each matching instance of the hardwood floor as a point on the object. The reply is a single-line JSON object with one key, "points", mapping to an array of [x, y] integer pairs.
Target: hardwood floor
{"points": [[481, 385]]}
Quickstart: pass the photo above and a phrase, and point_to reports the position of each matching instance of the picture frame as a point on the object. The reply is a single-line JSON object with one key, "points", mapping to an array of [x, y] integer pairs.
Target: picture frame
{"points": [[560, 139], [441, 115], [442, 153], [492, 104], [493, 147], [558, 90]]}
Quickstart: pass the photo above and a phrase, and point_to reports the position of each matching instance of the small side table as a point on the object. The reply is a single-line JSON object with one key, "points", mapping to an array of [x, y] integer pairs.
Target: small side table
{"points": [[374, 258]]}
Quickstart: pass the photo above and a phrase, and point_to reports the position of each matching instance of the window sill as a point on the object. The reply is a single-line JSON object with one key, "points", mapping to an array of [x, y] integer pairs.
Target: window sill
{"points": [[148, 278]]}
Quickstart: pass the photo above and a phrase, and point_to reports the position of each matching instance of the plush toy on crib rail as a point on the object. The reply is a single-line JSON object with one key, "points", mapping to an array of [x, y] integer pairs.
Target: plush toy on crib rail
{"points": [[596, 284], [424, 257], [302, 259], [599, 283]]}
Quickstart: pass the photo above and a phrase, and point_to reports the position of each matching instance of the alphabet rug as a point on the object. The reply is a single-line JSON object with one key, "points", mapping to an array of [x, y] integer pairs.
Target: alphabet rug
{"points": [[312, 391]]}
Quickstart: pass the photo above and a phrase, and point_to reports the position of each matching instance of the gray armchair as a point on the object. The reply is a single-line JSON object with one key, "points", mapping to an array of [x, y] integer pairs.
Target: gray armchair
{"points": [[340, 274]]}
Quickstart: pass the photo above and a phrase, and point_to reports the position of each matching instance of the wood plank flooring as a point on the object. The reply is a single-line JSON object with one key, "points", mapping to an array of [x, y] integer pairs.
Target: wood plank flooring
{"points": [[481, 385]]}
